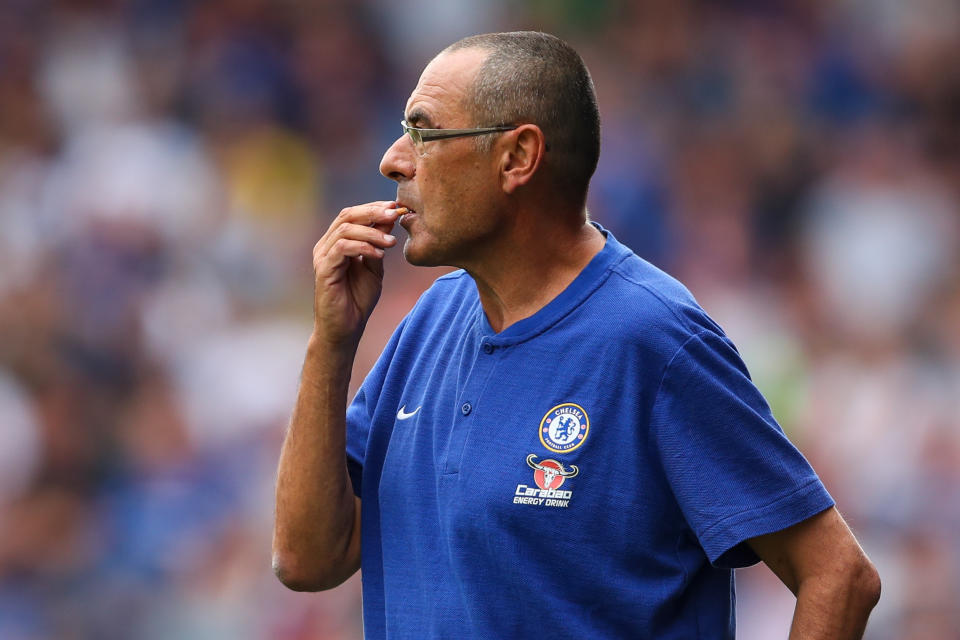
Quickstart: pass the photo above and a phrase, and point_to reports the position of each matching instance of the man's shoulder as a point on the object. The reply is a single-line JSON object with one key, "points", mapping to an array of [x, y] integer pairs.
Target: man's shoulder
{"points": [[646, 296], [649, 280], [454, 278], [452, 295], [444, 290]]}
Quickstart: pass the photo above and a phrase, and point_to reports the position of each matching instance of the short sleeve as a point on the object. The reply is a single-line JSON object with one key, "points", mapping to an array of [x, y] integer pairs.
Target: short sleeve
{"points": [[361, 411], [733, 472]]}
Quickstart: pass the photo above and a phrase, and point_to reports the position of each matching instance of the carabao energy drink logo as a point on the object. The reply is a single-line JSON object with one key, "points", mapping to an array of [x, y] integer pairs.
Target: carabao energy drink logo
{"points": [[549, 476]]}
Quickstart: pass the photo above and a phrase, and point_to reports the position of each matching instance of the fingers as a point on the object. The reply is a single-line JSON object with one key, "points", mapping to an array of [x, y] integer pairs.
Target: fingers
{"points": [[360, 231], [368, 214], [348, 268], [347, 234]]}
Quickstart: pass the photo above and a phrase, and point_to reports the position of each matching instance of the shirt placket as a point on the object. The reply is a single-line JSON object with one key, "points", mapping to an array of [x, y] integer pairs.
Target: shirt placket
{"points": [[468, 405]]}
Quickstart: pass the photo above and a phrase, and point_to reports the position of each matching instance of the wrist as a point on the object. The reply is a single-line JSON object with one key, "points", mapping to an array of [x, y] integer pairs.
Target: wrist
{"points": [[337, 352], [327, 368]]}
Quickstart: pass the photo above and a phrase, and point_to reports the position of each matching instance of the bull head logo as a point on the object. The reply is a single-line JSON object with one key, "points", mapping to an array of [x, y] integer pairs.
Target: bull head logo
{"points": [[550, 474]]}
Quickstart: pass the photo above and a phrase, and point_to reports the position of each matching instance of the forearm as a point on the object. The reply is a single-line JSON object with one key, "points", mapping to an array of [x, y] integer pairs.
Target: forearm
{"points": [[316, 537], [835, 607], [822, 563]]}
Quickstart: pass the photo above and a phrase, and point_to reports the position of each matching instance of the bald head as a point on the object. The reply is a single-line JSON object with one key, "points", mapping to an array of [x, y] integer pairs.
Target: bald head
{"points": [[533, 77]]}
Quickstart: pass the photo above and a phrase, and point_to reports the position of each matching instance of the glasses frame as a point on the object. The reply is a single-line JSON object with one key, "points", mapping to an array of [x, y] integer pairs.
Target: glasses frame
{"points": [[421, 136]]}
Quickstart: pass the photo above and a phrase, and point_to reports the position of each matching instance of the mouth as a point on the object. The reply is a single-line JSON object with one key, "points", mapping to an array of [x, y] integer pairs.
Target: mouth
{"points": [[406, 213]]}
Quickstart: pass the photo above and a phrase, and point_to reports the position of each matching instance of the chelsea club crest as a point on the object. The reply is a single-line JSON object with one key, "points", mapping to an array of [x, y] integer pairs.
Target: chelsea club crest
{"points": [[564, 428]]}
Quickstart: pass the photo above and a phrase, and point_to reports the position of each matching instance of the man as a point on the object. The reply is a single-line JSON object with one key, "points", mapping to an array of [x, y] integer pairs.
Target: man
{"points": [[557, 441]]}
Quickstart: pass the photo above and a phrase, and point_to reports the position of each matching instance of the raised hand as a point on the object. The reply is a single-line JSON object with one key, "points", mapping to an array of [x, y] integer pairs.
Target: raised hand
{"points": [[348, 270]]}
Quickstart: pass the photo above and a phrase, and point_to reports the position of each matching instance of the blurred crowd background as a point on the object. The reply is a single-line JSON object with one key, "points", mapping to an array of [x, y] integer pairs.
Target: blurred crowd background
{"points": [[167, 165]]}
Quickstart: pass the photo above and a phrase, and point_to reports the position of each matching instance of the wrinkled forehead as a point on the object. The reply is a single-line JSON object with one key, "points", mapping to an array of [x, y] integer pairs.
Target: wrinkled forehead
{"points": [[439, 99]]}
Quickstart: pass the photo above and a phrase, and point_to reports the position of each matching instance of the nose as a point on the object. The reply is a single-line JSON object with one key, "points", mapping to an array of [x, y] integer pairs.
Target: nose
{"points": [[398, 161]]}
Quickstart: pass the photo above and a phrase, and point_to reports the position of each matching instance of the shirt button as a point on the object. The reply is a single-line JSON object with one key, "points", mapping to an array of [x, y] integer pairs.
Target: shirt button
{"points": [[466, 408], [487, 348]]}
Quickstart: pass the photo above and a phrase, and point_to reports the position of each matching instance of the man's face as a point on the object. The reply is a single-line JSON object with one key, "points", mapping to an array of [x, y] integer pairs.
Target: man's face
{"points": [[452, 190]]}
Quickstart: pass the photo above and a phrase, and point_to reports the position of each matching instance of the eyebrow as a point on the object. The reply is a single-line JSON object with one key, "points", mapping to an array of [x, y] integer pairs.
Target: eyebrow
{"points": [[418, 118]]}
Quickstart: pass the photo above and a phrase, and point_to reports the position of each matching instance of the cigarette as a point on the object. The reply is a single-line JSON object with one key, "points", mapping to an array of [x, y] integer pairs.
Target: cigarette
{"points": [[402, 210]]}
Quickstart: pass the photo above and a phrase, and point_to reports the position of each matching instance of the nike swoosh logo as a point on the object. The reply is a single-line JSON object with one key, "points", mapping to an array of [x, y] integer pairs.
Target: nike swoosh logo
{"points": [[403, 415]]}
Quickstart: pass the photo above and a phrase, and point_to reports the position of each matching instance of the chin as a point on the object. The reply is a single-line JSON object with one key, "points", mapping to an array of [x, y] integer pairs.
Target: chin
{"points": [[420, 256], [414, 256]]}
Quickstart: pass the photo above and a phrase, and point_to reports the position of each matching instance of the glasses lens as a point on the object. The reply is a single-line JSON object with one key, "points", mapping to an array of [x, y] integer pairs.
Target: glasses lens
{"points": [[414, 136], [417, 141]]}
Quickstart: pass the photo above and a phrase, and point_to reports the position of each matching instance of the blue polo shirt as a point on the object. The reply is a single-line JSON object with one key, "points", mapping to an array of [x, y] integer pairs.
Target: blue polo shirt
{"points": [[592, 471]]}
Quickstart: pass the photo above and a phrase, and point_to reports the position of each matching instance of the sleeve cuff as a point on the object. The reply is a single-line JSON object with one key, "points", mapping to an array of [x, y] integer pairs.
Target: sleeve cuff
{"points": [[725, 542]]}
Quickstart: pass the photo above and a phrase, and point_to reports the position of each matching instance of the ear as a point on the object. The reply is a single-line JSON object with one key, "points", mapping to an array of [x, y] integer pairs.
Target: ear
{"points": [[521, 154]]}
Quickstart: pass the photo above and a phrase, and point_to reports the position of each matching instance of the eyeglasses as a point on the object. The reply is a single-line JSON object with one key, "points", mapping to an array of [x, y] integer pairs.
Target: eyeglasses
{"points": [[421, 136]]}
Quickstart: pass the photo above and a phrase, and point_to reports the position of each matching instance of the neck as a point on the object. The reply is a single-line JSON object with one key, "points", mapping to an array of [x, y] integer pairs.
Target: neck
{"points": [[531, 266]]}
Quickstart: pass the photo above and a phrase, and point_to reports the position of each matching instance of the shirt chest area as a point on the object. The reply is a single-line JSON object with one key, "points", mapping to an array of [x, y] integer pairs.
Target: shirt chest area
{"points": [[536, 428], [474, 400]]}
